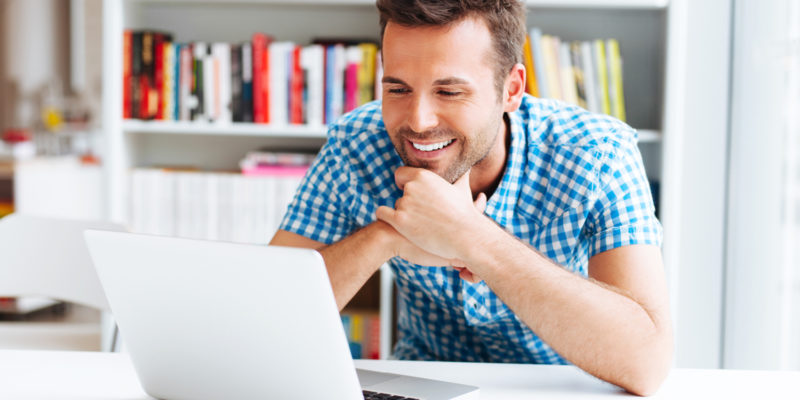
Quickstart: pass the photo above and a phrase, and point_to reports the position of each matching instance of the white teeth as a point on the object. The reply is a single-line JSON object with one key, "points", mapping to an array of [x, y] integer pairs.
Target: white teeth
{"points": [[431, 147]]}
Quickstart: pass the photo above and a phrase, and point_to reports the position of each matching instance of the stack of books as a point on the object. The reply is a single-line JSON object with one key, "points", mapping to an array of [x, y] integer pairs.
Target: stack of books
{"points": [[585, 73], [362, 329], [261, 81], [242, 207]]}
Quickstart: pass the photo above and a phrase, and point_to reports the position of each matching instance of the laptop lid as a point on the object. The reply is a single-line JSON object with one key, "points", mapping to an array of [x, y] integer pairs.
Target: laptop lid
{"points": [[212, 320]]}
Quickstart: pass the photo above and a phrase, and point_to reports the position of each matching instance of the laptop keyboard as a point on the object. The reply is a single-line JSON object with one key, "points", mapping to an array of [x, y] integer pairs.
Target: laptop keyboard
{"points": [[368, 395]]}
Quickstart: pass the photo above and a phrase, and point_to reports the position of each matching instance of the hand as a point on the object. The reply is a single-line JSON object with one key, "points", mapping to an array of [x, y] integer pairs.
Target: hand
{"points": [[438, 217]]}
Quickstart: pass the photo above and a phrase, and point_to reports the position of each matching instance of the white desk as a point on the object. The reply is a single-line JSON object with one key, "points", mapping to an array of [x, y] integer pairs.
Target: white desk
{"points": [[28, 374]]}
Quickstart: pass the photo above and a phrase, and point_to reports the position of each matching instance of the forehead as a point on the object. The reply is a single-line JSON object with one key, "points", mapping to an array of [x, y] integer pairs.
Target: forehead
{"points": [[461, 48]]}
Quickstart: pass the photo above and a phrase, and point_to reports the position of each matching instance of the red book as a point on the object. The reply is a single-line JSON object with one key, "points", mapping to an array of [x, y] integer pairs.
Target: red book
{"points": [[351, 84], [127, 64], [261, 78], [158, 80], [296, 89], [374, 346]]}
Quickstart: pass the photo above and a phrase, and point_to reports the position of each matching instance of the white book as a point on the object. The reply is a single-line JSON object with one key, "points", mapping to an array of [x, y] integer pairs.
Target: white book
{"points": [[568, 88], [339, 69], [212, 206], [210, 72], [222, 53], [279, 57], [312, 60], [592, 98], [538, 62]]}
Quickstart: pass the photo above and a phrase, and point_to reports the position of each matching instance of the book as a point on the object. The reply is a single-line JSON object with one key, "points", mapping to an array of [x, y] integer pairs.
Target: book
{"points": [[577, 73], [236, 83], [538, 62], [312, 62], [221, 54], [366, 74], [569, 90], [127, 53], [354, 56], [616, 93], [296, 85], [261, 78], [247, 83], [589, 75], [527, 59], [599, 56]]}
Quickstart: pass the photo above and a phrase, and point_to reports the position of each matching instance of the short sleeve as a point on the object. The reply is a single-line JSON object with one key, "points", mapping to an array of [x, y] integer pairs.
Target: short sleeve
{"points": [[320, 208], [623, 213]]}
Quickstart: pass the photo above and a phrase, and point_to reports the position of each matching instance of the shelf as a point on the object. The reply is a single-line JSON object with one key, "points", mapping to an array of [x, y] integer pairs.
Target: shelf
{"points": [[258, 130], [235, 129], [630, 4]]}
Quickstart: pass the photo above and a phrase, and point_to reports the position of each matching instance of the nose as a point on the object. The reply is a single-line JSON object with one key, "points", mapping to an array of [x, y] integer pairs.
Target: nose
{"points": [[422, 115]]}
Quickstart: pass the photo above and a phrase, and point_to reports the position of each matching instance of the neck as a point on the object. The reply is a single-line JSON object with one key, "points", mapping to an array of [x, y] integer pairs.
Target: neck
{"points": [[486, 175]]}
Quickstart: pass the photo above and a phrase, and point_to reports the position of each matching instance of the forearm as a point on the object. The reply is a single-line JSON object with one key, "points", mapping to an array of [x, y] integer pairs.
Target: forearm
{"points": [[352, 261], [593, 325]]}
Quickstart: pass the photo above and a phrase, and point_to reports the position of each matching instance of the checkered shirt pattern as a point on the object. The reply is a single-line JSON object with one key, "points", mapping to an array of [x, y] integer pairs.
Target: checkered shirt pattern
{"points": [[574, 186]]}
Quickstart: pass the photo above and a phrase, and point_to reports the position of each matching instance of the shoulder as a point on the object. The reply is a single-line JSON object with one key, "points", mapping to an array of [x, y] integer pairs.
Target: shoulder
{"points": [[553, 123]]}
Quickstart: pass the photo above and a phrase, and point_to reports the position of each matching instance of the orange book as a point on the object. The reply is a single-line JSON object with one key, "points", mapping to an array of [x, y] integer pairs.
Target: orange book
{"points": [[527, 59]]}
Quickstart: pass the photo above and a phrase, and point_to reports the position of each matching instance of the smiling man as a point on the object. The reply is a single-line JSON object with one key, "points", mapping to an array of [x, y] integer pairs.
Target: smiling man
{"points": [[519, 229]]}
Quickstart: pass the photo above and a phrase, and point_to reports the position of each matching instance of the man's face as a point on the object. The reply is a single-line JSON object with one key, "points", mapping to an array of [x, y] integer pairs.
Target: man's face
{"points": [[440, 105]]}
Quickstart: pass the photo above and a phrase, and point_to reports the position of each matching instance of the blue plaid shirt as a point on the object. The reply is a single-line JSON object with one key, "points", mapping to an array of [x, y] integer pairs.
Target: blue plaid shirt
{"points": [[574, 186]]}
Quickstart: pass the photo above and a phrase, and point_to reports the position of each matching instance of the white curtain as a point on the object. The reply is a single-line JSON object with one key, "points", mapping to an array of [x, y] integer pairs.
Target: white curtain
{"points": [[762, 282]]}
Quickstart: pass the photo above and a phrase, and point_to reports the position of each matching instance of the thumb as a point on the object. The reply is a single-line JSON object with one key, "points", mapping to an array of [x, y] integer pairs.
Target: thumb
{"points": [[480, 202]]}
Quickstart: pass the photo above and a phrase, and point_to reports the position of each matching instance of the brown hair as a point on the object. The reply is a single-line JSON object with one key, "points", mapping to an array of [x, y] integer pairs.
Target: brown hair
{"points": [[505, 20]]}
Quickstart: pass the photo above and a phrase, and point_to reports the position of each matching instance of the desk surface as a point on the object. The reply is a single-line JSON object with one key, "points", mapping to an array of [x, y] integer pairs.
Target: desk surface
{"points": [[89, 375]]}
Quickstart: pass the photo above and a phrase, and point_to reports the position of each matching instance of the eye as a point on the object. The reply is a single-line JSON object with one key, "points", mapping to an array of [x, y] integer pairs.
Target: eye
{"points": [[398, 90], [448, 93]]}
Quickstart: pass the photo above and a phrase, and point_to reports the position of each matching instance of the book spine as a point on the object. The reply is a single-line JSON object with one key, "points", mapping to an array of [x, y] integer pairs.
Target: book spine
{"points": [[187, 100], [222, 79], [247, 82], [366, 74], [176, 82], [354, 59], [136, 72], [127, 61], [602, 76], [530, 81], [615, 71], [538, 62], [236, 83], [296, 88], [159, 47], [167, 80], [568, 88], [210, 106], [259, 101], [590, 84], [198, 89], [577, 74]]}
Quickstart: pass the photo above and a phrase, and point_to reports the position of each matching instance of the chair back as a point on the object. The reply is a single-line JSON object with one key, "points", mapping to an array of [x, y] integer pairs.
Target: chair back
{"points": [[43, 256]]}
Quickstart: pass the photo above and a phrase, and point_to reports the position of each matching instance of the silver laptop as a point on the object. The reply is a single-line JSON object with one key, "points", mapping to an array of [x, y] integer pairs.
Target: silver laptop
{"points": [[215, 320]]}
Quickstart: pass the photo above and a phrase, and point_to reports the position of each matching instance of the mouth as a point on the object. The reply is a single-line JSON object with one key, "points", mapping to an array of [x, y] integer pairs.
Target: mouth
{"points": [[428, 150]]}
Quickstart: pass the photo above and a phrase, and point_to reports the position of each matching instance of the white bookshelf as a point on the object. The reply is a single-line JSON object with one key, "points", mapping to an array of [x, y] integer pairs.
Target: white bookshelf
{"points": [[651, 34]]}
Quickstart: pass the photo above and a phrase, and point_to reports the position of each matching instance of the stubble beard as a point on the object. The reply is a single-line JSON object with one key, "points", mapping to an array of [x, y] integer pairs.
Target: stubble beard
{"points": [[468, 156]]}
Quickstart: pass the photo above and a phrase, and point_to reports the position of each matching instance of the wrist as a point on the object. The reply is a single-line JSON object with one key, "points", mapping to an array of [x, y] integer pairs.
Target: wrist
{"points": [[477, 249], [385, 237]]}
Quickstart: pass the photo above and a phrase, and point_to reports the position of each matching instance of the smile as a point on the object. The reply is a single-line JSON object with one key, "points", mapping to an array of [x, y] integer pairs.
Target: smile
{"points": [[432, 146]]}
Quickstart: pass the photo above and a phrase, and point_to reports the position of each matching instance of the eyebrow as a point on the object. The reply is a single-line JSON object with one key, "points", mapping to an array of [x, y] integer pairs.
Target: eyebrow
{"points": [[439, 82]]}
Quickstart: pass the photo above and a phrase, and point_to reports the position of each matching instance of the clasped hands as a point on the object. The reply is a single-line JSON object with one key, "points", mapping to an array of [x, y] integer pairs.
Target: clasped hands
{"points": [[437, 223]]}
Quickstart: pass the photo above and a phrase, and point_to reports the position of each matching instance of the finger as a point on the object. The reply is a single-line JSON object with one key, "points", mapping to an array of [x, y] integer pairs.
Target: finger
{"points": [[463, 182], [480, 202], [404, 175], [386, 214]]}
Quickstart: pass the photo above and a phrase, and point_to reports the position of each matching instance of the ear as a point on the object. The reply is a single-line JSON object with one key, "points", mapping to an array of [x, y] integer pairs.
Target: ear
{"points": [[514, 88]]}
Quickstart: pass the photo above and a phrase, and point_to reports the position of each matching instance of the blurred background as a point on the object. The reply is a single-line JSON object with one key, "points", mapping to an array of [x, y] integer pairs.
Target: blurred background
{"points": [[713, 88]]}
